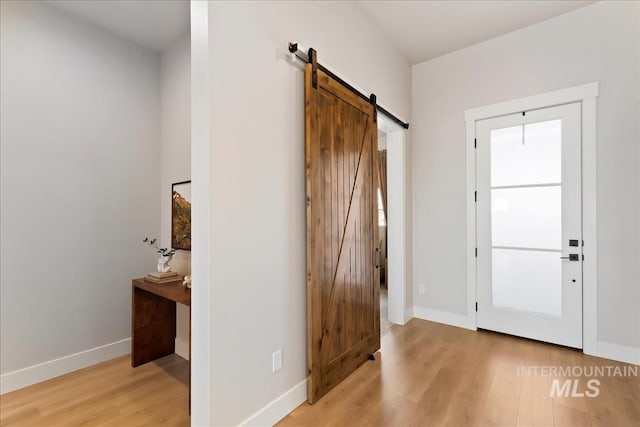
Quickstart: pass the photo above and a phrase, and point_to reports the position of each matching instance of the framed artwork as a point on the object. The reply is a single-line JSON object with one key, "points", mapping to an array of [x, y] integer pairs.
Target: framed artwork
{"points": [[181, 215]]}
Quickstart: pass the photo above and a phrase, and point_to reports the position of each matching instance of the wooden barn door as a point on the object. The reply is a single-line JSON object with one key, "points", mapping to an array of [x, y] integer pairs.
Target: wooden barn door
{"points": [[342, 232]]}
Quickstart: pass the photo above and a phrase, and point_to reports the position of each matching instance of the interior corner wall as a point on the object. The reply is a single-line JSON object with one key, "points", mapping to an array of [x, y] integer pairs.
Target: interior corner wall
{"points": [[175, 130], [599, 42], [409, 285], [257, 301], [79, 186]]}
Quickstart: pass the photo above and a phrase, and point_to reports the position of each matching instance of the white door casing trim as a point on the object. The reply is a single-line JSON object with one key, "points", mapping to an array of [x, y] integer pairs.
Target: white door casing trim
{"points": [[200, 220], [585, 94]]}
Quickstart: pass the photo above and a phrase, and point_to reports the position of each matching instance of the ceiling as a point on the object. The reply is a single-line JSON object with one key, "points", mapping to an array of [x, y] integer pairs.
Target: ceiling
{"points": [[423, 30], [153, 24]]}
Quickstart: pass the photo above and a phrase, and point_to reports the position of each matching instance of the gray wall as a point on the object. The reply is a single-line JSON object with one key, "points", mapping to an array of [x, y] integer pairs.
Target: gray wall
{"points": [[175, 130], [596, 43], [258, 287], [80, 172]]}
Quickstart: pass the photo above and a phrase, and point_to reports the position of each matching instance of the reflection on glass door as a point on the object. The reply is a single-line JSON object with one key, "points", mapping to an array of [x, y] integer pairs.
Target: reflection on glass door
{"points": [[528, 211]]}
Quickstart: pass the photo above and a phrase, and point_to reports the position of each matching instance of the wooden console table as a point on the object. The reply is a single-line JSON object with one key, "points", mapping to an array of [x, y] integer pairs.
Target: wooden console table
{"points": [[153, 319]]}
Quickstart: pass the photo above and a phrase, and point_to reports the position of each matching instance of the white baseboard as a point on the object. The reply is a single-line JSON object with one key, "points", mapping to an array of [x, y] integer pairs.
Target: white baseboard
{"points": [[620, 353], [279, 408], [445, 317], [54, 368], [182, 349]]}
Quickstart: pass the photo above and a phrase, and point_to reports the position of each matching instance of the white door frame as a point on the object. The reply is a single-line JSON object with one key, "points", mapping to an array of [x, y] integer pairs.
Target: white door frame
{"points": [[396, 219], [201, 217], [585, 94]]}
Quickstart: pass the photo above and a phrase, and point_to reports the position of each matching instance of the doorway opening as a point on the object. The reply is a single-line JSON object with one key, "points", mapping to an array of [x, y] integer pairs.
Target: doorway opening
{"points": [[392, 139], [529, 217], [383, 254]]}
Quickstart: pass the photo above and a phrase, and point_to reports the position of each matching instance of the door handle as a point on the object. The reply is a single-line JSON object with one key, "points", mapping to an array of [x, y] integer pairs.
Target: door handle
{"points": [[377, 258], [571, 257]]}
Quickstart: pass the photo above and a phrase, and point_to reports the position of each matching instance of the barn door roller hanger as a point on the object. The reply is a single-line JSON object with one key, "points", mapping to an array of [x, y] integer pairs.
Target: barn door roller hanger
{"points": [[311, 57]]}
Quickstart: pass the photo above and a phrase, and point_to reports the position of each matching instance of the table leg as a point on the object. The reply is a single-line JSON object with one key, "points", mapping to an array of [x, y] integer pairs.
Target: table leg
{"points": [[153, 327]]}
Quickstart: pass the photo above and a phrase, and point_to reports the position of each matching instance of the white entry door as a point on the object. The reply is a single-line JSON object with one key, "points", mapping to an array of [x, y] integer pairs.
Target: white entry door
{"points": [[529, 230]]}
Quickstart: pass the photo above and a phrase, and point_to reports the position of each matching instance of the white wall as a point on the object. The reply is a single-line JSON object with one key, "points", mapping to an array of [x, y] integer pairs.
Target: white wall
{"points": [[257, 292], [596, 43], [80, 172], [175, 132]]}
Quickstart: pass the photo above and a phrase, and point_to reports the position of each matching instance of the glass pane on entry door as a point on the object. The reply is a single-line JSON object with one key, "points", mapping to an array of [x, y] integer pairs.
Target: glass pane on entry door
{"points": [[526, 217], [527, 154]]}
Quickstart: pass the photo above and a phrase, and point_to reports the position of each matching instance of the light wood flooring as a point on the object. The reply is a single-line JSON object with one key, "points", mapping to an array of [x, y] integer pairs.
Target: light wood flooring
{"points": [[109, 394], [426, 375], [429, 374]]}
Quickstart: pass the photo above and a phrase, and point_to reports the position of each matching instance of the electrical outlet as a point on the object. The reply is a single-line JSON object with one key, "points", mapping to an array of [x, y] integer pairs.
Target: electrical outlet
{"points": [[277, 360], [422, 289]]}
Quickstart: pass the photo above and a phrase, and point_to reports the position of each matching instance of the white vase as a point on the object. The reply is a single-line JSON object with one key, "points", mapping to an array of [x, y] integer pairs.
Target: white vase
{"points": [[163, 264]]}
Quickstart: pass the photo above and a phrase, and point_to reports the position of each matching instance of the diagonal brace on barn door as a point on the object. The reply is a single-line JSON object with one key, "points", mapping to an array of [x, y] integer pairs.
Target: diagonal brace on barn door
{"points": [[347, 234]]}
